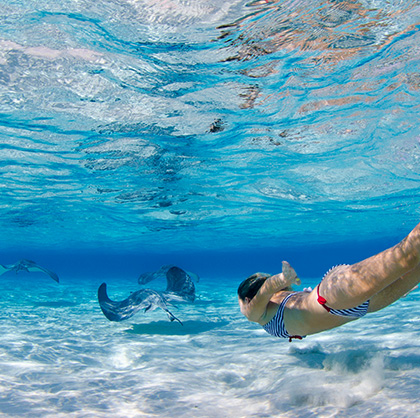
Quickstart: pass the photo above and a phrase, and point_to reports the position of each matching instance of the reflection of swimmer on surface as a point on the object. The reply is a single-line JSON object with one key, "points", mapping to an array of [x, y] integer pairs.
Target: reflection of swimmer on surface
{"points": [[318, 38], [180, 288], [28, 266], [44, 52], [338, 30], [347, 292]]}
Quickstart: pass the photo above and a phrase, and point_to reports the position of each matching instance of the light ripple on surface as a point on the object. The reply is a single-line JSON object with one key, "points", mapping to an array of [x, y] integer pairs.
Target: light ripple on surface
{"points": [[190, 113]]}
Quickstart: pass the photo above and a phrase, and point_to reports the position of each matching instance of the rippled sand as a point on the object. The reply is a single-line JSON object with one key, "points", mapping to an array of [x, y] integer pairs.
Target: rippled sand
{"points": [[60, 357]]}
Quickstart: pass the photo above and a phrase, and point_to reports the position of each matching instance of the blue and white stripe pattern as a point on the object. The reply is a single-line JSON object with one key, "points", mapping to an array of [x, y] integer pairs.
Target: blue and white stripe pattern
{"points": [[276, 326], [356, 312]]}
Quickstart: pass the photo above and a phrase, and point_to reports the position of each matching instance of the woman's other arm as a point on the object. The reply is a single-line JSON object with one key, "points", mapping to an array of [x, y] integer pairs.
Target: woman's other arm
{"points": [[256, 308]]}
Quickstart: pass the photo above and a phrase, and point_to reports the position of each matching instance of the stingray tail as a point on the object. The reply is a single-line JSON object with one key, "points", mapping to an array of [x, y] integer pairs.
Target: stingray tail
{"points": [[173, 317]]}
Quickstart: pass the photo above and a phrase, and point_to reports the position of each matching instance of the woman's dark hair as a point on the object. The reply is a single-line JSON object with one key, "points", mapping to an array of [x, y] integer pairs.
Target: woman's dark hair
{"points": [[250, 286]]}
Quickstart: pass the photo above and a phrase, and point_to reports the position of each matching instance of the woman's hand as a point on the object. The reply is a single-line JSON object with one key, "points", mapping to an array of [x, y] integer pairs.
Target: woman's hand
{"points": [[283, 280], [289, 274]]}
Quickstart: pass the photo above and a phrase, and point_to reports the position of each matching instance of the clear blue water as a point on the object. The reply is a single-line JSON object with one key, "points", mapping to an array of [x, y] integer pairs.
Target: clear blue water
{"points": [[222, 137]]}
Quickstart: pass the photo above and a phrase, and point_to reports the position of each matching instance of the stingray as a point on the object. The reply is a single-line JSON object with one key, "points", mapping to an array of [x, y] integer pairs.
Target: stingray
{"points": [[179, 288], [29, 266], [146, 299], [162, 272]]}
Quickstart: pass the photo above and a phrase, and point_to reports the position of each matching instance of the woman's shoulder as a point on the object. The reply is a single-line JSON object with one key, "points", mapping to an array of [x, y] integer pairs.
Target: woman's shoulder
{"points": [[280, 296], [273, 306]]}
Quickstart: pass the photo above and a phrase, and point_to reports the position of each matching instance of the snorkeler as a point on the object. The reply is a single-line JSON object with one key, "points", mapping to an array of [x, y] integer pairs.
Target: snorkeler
{"points": [[346, 293]]}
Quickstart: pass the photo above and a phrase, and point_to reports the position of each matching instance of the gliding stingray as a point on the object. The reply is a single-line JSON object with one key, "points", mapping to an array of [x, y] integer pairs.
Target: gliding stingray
{"points": [[27, 265], [163, 271], [146, 299], [179, 287]]}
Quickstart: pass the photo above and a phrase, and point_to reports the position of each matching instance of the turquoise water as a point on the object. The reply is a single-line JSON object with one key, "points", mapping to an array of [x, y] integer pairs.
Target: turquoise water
{"points": [[222, 137]]}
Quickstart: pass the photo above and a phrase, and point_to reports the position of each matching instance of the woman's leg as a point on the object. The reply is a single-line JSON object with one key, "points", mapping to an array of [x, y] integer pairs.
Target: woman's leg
{"points": [[395, 291], [349, 286]]}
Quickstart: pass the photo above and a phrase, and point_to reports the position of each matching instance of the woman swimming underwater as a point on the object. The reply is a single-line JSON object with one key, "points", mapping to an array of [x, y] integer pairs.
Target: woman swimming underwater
{"points": [[346, 292]]}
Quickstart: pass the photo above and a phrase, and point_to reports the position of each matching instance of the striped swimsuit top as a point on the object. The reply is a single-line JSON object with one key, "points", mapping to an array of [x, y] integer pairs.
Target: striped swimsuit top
{"points": [[276, 326]]}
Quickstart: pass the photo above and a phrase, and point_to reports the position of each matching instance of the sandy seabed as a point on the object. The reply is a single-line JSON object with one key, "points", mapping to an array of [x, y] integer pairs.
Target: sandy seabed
{"points": [[60, 357]]}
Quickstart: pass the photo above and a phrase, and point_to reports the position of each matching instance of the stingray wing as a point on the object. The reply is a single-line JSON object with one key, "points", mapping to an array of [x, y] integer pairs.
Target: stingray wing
{"points": [[32, 266], [121, 310], [27, 265], [180, 283], [146, 299], [193, 276], [148, 277], [13, 267], [4, 269]]}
